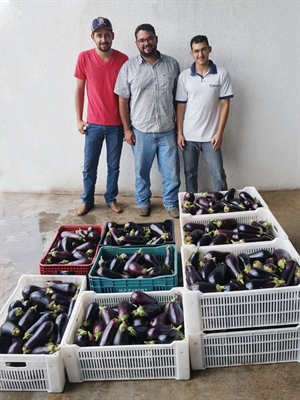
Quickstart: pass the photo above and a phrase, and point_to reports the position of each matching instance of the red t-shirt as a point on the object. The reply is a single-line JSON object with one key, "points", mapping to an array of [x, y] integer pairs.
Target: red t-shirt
{"points": [[100, 77]]}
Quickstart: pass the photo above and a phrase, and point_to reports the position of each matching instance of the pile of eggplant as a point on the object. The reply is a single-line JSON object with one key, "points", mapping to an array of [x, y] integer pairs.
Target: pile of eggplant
{"points": [[76, 247], [138, 320], [35, 324], [132, 234], [223, 271], [140, 264], [226, 231], [218, 202]]}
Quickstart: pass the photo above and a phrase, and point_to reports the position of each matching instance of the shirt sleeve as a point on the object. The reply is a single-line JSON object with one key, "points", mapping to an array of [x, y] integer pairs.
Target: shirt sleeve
{"points": [[181, 94], [226, 87], [122, 87], [79, 69]]}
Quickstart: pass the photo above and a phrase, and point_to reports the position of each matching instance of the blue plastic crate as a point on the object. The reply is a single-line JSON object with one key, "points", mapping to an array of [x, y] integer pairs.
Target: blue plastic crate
{"points": [[107, 285]]}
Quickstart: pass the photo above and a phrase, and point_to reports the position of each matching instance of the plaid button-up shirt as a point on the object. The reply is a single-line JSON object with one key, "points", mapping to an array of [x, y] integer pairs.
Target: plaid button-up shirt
{"points": [[151, 90]]}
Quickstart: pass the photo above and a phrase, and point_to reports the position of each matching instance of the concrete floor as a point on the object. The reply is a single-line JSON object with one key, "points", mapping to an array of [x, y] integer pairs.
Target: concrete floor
{"points": [[28, 224]]}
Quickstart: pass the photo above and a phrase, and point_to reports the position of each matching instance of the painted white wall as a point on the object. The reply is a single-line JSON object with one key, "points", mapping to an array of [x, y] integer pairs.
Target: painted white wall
{"points": [[257, 41]]}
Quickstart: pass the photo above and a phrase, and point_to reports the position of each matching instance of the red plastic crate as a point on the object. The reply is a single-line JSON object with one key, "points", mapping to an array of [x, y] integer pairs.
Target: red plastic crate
{"points": [[83, 269]]}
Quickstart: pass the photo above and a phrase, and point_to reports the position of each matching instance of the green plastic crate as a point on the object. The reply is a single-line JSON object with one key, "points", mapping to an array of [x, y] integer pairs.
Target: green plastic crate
{"points": [[107, 285]]}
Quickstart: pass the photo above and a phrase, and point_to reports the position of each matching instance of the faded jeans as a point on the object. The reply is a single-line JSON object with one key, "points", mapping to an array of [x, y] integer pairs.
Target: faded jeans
{"points": [[214, 159], [96, 134], [163, 145]]}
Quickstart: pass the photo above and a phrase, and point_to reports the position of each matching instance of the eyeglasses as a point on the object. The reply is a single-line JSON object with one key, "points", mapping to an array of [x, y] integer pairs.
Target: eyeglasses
{"points": [[149, 39]]}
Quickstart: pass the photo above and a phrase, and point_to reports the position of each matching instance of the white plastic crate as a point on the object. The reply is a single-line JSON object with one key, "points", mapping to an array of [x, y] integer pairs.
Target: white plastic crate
{"points": [[249, 189], [101, 363], [245, 308], [262, 214], [39, 372], [266, 346]]}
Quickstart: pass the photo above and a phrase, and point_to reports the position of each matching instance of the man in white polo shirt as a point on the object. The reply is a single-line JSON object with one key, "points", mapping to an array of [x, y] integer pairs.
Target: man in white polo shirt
{"points": [[203, 95]]}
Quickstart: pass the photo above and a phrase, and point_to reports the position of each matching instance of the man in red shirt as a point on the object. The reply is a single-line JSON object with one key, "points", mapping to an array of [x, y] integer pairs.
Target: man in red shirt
{"points": [[96, 72]]}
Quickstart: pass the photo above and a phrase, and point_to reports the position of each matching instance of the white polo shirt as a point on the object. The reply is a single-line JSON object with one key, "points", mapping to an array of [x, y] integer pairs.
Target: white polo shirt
{"points": [[202, 95]]}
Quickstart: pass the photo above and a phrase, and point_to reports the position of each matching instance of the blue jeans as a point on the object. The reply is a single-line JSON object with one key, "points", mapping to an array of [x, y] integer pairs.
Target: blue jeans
{"points": [[215, 162], [163, 145], [93, 145]]}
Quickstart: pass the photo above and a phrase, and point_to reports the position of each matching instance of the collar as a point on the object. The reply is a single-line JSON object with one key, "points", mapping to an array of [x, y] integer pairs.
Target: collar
{"points": [[141, 60], [212, 68]]}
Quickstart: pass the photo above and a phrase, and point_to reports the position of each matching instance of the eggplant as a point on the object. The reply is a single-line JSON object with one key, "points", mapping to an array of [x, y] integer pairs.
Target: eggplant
{"points": [[94, 237], [66, 244], [81, 338], [230, 194], [47, 316], [207, 267], [232, 262], [61, 298], [259, 273], [202, 210], [122, 336], [116, 264], [91, 312], [213, 195], [191, 274], [8, 328], [28, 319], [15, 314], [135, 257], [210, 227], [49, 348], [204, 287], [169, 258], [157, 272], [216, 208], [107, 314], [156, 229], [194, 258], [16, 347], [154, 332], [288, 272], [159, 319], [175, 313], [152, 261], [243, 195], [189, 196], [227, 232], [140, 298], [190, 226], [134, 240], [220, 238], [40, 299], [281, 256], [80, 261], [248, 228], [15, 304], [40, 336], [66, 288], [244, 261], [231, 287], [262, 238], [264, 283], [104, 272], [202, 201], [219, 274], [61, 255], [108, 335], [28, 289], [147, 310], [124, 310], [236, 201], [188, 208], [233, 208], [98, 328], [261, 255], [193, 236], [219, 256], [227, 223], [205, 240], [60, 324], [166, 338]]}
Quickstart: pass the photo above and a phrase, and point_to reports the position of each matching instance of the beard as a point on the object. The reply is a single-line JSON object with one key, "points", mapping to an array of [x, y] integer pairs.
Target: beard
{"points": [[104, 47], [148, 53]]}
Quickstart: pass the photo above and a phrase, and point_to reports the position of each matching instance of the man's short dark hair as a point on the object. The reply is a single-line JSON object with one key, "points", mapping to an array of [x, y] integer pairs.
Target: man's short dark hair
{"points": [[199, 39], [145, 27]]}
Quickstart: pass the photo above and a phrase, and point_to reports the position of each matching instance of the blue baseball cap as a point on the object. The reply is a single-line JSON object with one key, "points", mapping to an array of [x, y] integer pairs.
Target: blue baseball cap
{"points": [[101, 22]]}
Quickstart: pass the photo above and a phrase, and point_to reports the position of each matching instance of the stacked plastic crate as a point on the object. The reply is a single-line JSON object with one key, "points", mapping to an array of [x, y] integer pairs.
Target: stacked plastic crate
{"points": [[246, 326]]}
